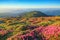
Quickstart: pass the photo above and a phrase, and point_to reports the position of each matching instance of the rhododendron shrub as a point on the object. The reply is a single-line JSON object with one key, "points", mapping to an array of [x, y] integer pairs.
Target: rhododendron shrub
{"points": [[51, 33], [41, 33], [31, 35], [3, 32]]}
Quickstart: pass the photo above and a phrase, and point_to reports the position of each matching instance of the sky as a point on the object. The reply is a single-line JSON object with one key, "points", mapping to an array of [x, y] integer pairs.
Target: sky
{"points": [[8, 4]]}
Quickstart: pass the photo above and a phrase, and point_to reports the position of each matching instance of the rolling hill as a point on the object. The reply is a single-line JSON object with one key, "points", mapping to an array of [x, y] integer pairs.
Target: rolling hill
{"points": [[33, 14]]}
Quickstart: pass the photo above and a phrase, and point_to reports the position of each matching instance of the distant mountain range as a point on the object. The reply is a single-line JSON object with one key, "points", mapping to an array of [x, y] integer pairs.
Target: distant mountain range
{"points": [[29, 12]]}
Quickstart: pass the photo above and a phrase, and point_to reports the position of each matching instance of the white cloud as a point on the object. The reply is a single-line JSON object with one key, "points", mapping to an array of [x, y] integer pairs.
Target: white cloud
{"points": [[28, 6], [10, 8]]}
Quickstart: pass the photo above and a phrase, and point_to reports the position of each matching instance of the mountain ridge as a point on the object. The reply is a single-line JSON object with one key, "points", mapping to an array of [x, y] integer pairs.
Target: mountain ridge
{"points": [[34, 14]]}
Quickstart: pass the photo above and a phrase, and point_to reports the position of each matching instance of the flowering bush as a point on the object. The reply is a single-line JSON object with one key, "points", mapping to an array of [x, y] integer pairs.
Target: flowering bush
{"points": [[3, 32], [31, 35], [51, 33], [41, 33]]}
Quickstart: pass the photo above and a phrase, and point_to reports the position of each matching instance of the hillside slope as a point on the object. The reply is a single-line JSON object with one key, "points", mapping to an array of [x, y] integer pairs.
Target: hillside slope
{"points": [[33, 14]]}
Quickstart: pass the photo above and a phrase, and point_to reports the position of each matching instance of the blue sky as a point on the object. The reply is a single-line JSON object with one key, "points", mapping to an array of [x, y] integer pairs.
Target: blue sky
{"points": [[29, 3]]}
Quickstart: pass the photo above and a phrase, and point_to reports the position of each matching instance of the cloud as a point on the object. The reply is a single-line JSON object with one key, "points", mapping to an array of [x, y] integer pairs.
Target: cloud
{"points": [[27, 6]]}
